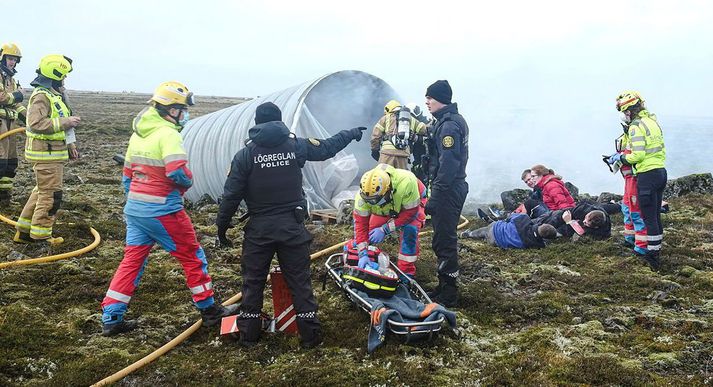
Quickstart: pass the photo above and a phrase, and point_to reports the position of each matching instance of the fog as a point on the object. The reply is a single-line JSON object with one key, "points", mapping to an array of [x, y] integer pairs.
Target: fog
{"points": [[536, 81]]}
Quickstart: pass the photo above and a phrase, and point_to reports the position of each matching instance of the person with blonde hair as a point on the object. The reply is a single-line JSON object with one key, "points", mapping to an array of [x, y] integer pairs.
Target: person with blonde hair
{"points": [[554, 193]]}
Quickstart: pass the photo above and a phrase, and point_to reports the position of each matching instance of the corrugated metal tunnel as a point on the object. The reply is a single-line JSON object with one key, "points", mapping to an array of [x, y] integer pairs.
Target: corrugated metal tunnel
{"points": [[318, 108]]}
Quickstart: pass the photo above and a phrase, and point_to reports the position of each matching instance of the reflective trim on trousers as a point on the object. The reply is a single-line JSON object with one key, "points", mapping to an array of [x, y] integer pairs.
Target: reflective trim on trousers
{"points": [[40, 232], [408, 258], [24, 224], [202, 288], [118, 296], [654, 238]]}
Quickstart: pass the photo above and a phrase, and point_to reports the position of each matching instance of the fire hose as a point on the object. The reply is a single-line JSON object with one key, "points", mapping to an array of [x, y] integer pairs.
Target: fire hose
{"points": [[193, 328], [51, 258]]}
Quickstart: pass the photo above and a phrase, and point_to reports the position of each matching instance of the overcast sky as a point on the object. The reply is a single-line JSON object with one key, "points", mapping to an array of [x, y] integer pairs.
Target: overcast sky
{"points": [[554, 58]]}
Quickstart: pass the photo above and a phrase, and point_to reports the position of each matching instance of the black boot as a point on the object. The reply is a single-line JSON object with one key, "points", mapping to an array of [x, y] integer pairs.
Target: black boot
{"points": [[448, 295], [652, 257], [250, 327], [310, 331], [433, 294], [120, 327], [627, 244], [214, 313]]}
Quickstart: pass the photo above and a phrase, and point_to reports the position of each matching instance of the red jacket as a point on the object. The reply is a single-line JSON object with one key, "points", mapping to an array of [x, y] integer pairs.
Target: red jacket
{"points": [[554, 193]]}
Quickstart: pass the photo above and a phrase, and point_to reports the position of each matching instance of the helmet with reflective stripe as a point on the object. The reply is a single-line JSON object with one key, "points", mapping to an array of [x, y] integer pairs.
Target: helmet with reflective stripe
{"points": [[10, 49], [172, 93], [391, 106], [375, 185], [627, 99], [55, 67]]}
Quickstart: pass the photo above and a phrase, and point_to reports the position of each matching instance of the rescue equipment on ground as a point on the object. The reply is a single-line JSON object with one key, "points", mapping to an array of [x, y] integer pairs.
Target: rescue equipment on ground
{"points": [[407, 286], [381, 282]]}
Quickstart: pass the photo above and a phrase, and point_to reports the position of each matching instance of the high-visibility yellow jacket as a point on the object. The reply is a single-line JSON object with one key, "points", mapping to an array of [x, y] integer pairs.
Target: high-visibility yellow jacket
{"points": [[647, 147], [47, 119]]}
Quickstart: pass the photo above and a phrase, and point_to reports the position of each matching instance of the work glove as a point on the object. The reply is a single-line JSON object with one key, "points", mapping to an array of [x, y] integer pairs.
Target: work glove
{"points": [[613, 159], [357, 132], [364, 261], [375, 154], [430, 207], [18, 96], [222, 239], [378, 234]]}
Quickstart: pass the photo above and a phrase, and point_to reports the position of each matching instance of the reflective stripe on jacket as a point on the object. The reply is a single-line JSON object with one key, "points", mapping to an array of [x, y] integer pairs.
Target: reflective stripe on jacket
{"points": [[155, 167], [45, 127], [387, 127], [647, 146]]}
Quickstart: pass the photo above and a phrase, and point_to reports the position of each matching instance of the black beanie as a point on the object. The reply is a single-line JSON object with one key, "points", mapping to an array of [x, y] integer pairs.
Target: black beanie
{"points": [[440, 91], [267, 112]]}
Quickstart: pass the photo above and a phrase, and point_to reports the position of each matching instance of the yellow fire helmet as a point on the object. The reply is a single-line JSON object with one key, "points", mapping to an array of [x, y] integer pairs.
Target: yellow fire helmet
{"points": [[375, 185], [391, 106], [627, 99], [172, 93], [55, 66], [10, 49]]}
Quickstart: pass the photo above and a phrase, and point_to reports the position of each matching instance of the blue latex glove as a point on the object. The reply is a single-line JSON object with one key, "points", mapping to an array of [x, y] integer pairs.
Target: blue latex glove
{"points": [[364, 261], [614, 158], [377, 235]]}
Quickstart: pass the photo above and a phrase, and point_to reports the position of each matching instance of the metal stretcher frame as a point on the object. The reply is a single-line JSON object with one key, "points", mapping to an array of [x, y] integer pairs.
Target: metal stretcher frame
{"points": [[407, 331]]}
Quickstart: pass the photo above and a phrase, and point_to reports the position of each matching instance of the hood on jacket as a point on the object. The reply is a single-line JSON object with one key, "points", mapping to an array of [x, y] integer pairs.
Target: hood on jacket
{"points": [[269, 134], [546, 179], [148, 121]]}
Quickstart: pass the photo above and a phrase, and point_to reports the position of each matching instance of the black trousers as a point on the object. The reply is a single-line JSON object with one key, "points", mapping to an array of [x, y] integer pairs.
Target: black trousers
{"points": [[283, 235], [650, 189], [445, 219]]}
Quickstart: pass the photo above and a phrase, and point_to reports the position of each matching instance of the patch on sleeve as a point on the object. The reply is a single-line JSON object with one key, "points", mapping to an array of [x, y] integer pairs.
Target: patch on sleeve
{"points": [[448, 142], [314, 141]]}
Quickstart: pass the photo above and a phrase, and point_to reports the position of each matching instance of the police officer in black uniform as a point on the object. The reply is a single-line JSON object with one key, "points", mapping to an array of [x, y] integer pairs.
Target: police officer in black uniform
{"points": [[448, 187], [267, 174]]}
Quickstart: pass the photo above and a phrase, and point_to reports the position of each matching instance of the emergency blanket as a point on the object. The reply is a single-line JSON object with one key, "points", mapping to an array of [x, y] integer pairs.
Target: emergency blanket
{"points": [[401, 308]]}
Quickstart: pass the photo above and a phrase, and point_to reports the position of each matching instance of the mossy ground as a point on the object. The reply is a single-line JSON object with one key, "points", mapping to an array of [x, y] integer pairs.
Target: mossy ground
{"points": [[572, 314]]}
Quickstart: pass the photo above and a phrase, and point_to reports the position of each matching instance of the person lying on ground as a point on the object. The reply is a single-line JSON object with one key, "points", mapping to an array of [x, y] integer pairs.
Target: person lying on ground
{"points": [[518, 231], [585, 218]]}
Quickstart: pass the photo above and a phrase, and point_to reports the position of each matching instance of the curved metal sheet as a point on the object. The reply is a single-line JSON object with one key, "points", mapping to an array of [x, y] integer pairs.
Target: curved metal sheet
{"points": [[318, 108]]}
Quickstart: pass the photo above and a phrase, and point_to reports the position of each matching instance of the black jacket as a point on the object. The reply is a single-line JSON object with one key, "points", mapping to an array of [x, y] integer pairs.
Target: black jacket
{"points": [[578, 213], [527, 230], [272, 134], [450, 138]]}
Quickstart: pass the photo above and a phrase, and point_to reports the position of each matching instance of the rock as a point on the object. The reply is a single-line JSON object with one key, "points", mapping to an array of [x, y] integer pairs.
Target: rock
{"points": [[573, 190], [513, 198], [701, 183], [73, 179], [588, 197], [344, 212], [204, 201], [608, 197]]}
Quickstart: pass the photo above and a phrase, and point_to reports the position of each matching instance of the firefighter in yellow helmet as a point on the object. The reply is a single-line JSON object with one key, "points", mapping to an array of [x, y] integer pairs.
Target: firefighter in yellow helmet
{"points": [[156, 176], [50, 143], [647, 157], [393, 135], [12, 113]]}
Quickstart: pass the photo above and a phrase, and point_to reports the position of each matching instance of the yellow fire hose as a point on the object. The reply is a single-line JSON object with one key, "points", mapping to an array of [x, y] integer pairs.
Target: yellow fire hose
{"points": [[51, 258], [193, 328]]}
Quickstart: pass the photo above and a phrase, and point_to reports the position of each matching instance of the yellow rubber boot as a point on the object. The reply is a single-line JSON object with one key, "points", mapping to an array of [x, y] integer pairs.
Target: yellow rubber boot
{"points": [[55, 241], [22, 237]]}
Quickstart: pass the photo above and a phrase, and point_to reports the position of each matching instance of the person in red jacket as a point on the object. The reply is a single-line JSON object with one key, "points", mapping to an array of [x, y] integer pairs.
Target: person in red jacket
{"points": [[554, 194]]}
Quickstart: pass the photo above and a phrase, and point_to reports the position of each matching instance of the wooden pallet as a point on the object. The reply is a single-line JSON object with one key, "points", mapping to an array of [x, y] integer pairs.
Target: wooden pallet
{"points": [[325, 216]]}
